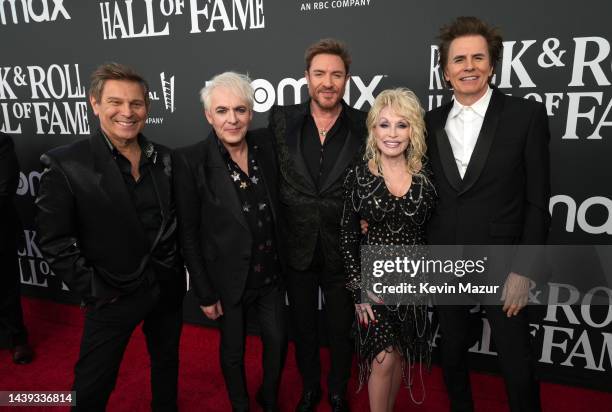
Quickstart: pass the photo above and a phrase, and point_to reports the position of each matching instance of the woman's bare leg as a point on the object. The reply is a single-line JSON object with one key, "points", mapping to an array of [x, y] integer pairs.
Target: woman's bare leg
{"points": [[381, 379], [396, 381]]}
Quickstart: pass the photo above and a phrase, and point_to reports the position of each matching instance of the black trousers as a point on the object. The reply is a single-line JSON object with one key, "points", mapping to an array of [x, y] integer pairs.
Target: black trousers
{"points": [[512, 340], [12, 329], [106, 333], [339, 310], [269, 305]]}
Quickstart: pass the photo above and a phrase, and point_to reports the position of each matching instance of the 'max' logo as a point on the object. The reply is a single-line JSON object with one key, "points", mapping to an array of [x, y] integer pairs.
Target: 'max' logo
{"points": [[37, 11], [578, 214], [266, 95]]}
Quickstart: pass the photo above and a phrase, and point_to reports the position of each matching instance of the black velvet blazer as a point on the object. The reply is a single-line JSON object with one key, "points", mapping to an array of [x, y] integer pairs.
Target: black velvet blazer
{"points": [[307, 212], [88, 228], [214, 235]]}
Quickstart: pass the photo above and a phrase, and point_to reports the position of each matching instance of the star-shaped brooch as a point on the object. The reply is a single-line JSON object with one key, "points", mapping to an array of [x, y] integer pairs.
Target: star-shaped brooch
{"points": [[246, 207], [235, 176], [150, 152], [254, 179], [243, 185]]}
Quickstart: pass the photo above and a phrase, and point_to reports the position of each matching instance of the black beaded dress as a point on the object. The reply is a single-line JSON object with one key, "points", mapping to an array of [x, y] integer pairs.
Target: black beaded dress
{"points": [[391, 220]]}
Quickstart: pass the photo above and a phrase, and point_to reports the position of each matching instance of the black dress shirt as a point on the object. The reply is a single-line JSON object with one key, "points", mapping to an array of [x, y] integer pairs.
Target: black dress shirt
{"points": [[251, 189], [142, 191], [320, 158], [145, 199]]}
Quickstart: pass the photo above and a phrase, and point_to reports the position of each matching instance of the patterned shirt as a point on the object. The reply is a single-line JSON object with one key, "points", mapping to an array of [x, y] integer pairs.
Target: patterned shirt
{"points": [[253, 196]]}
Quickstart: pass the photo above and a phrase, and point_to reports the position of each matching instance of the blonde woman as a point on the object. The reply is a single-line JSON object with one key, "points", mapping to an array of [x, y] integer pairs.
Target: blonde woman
{"points": [[393, 192]]}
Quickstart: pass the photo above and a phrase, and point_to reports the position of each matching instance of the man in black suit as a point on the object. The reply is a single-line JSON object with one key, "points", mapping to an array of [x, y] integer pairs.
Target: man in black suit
{"points": [[316, 141], [489, 155], [107, 227], [227, 202], [13, 333]]}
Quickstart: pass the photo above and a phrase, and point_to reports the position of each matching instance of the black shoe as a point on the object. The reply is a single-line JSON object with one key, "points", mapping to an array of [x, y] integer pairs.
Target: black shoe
{"points": [[338, 403], [309, 400], [22, 354], [265, 406]]}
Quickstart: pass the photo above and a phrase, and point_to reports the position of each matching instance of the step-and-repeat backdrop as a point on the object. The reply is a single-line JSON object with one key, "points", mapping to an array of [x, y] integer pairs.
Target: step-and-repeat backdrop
{"points": [[554, 52]]}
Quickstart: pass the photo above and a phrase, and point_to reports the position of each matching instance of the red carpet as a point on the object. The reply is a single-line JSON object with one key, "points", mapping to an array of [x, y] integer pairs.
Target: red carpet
{"points": [[55, 332]]}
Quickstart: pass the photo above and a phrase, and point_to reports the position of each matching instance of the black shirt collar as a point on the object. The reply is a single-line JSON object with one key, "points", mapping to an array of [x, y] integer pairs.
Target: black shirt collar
{"points": [[224, 153], [147, 148]]}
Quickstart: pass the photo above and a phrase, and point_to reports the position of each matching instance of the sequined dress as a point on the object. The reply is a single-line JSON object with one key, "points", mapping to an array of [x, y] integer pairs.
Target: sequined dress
{"points": [[391, 220]]}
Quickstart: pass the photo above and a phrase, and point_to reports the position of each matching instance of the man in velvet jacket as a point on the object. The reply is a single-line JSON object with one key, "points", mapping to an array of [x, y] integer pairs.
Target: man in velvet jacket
{"points": [[13, 333], [226, 193], [489, 156], [316, 141], [107, 227]]}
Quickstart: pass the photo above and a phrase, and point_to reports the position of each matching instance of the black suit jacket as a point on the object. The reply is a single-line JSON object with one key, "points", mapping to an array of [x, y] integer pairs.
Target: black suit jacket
{"points": [[503, 197], [88, 228], [309, 212], [214, 235], [9, 178]]}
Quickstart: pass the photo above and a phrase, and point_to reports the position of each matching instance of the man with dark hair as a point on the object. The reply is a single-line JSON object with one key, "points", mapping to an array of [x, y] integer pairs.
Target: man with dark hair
{"points": [[13, 334], [489, 153], [107, 227], [316, 141]]}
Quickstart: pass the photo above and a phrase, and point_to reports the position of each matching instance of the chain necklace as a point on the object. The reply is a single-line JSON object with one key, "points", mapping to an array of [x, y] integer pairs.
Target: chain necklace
{"points": [[324, 130]]}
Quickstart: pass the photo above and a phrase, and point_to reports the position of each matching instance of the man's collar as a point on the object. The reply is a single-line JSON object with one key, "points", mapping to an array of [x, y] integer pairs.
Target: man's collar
{"points": [[110, 146], [221, 147], [480, 107], [223, 150], [147, 148]]}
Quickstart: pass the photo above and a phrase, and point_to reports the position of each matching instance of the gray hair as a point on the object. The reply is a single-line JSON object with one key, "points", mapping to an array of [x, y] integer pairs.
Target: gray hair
{"points": [[237, 83]]}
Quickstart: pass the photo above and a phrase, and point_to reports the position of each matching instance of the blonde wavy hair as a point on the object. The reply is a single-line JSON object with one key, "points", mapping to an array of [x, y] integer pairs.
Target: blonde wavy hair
{"points": [[405, 104]]}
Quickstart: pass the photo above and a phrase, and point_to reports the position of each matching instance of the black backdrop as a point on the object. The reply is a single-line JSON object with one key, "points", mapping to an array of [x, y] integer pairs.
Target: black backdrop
{"points": [[556, 52]]}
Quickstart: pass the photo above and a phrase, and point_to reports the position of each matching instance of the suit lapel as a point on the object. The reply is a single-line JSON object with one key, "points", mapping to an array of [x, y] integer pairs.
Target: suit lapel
{"points": [[112, 184], [220, 181], [162, 184], [267, 164], [445, 151], [484, 141], [296, 157]]}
